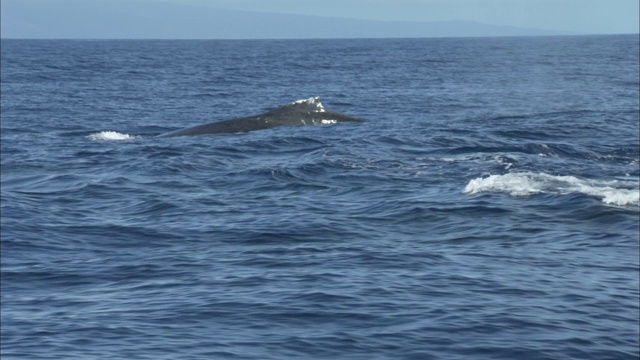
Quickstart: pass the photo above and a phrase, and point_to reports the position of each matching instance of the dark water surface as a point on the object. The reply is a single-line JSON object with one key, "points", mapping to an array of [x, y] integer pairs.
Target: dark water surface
{"points": [[489, 209]]}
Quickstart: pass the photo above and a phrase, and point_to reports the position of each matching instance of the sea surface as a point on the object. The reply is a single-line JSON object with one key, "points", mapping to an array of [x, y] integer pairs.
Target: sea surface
{"points": [[489, 208]]}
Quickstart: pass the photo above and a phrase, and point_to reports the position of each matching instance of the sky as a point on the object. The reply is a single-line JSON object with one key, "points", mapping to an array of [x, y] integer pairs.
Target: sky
{"points": [[246, 19], [575, 16]]}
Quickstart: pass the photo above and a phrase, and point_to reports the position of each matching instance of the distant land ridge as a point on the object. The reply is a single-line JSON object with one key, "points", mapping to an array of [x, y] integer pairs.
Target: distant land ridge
{"points": [[118, 19]]}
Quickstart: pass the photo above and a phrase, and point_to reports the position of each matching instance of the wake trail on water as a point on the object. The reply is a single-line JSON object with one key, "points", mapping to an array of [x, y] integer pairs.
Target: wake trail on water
{"points": [[110, 136], [612, 192]]}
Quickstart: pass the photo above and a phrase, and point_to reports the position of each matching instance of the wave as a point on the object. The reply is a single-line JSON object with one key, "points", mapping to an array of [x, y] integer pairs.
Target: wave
{"points": [[110, 135], [613, 192]]}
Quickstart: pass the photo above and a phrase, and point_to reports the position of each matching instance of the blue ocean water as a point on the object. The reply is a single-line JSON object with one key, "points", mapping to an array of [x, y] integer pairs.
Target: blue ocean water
{"points": [[489, 208]]}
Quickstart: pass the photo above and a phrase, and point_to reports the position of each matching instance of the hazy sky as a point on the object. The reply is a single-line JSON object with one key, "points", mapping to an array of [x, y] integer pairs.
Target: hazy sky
{"points": [[580, 16], [216, 19]]}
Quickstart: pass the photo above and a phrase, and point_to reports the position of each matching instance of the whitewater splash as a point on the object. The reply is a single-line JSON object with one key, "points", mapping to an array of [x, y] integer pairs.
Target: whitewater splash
{"points": [[110, 135], [614, 192]]}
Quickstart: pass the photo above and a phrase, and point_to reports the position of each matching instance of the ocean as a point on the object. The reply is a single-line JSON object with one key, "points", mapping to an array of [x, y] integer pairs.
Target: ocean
{"points": [[488, 209]]}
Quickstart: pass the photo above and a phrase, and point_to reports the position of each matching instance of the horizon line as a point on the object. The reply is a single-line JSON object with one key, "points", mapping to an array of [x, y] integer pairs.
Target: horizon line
{"points": [[322, 38]]}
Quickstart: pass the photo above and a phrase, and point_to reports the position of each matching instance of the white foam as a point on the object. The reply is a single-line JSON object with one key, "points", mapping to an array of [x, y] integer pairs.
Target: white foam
{"points": [[613, 192], [110, 135], [314, 100]]}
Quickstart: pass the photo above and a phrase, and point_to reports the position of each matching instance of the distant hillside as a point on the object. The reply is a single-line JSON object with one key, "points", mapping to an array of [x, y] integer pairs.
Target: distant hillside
{"points": [[118, 19]]}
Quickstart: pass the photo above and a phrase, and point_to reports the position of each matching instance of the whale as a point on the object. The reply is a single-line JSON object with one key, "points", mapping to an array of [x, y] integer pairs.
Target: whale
{"points": [[301, 112]]}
